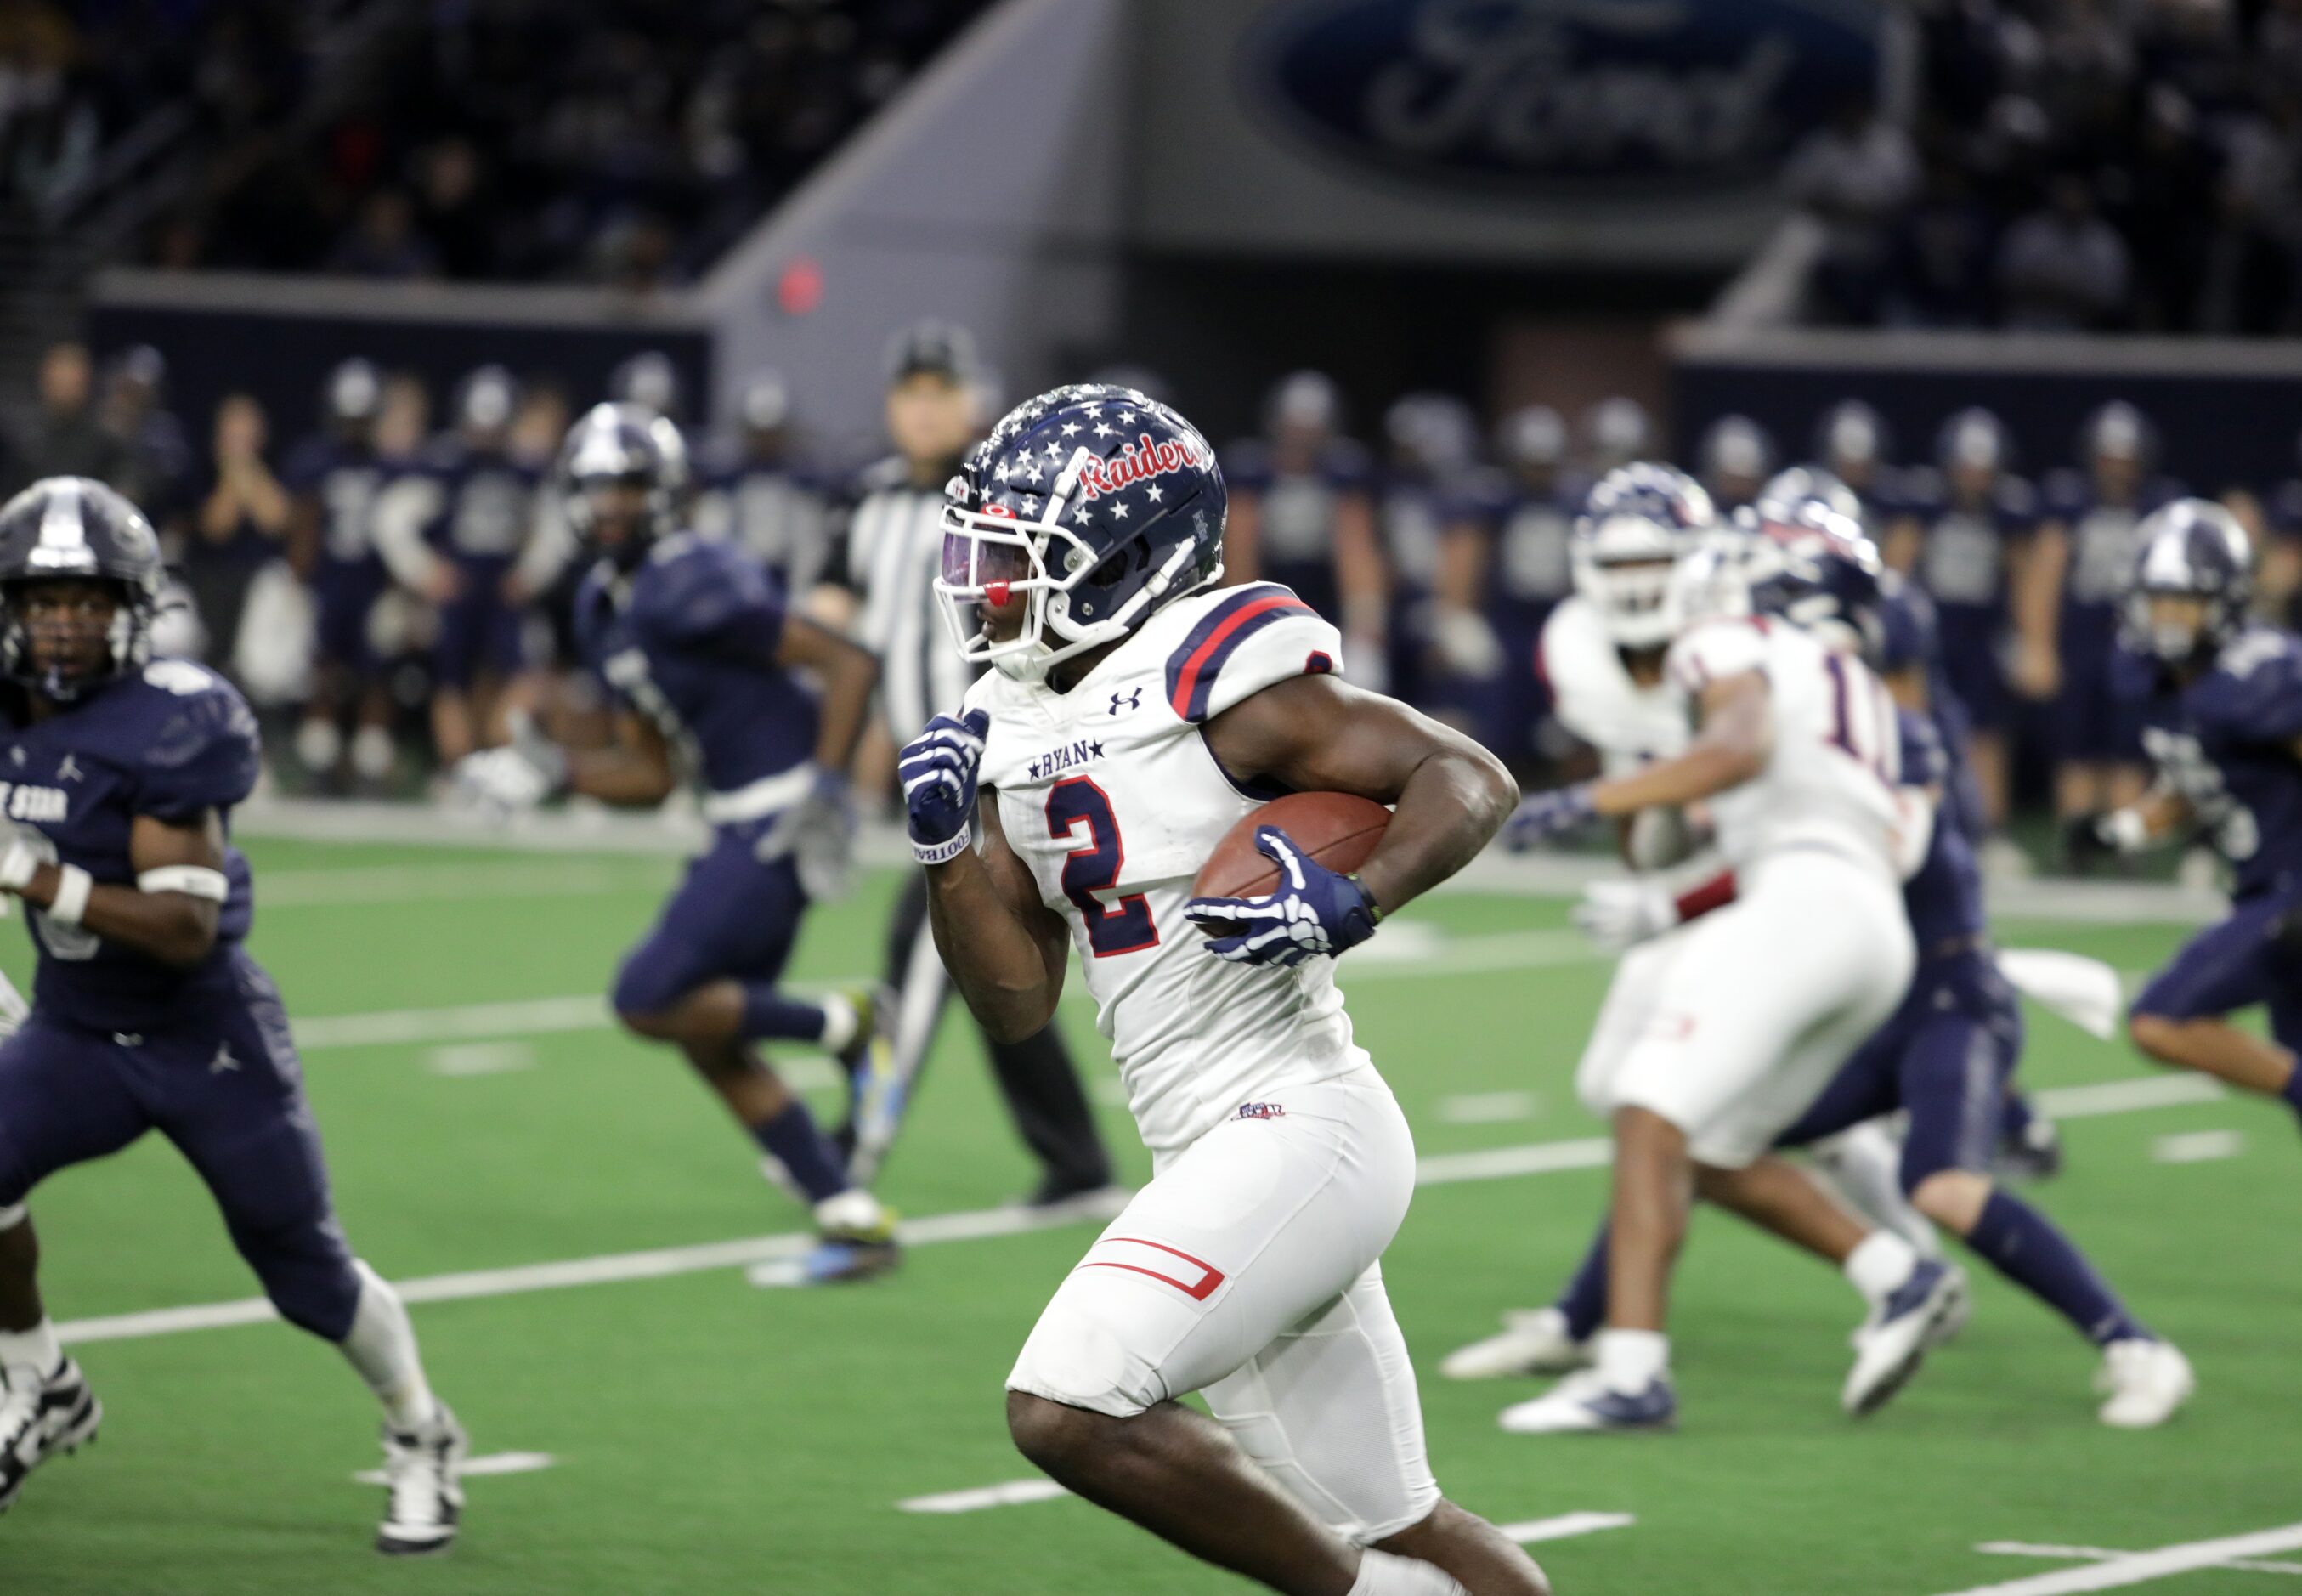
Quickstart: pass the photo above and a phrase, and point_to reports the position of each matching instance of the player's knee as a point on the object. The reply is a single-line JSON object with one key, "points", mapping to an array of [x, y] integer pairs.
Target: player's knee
{"points": [[2154, 1034], [644, 999], [1060, 1439], [307, 1273], [1953, 1198]]}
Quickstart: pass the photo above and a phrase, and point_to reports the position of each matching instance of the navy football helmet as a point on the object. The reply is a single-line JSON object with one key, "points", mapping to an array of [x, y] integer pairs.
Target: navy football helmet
{"points": [[2192, 548], [1811, 564], [1082, 512], [1638, 523], [614, 445], [70, 526], [1789, 494]]}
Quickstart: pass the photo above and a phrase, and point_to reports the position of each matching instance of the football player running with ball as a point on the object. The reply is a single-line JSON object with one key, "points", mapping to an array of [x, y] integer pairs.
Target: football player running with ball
{"points": [[147, 1014], [1135, 714]]}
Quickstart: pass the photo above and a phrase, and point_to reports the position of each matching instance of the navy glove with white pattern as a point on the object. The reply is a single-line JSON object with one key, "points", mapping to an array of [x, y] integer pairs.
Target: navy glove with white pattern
{"points": [[1316, 911], [937, 769]]}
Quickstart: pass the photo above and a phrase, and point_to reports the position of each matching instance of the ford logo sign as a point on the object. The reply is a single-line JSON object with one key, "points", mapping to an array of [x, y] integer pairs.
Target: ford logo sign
{"points": [[1631, 96]]}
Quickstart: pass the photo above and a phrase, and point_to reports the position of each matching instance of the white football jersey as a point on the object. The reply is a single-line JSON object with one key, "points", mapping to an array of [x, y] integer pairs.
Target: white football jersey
{"points": [[1111, 795], [1596, 698], [1831, 780]]}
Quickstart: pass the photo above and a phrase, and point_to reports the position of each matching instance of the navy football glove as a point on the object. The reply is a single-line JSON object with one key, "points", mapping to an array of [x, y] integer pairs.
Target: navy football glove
{"points": [[1315, 911], [1546, 815], [937, 770]]}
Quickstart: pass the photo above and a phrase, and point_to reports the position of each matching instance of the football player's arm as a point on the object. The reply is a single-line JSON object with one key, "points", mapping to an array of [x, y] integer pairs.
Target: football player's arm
{"points": [[1360, 575], [1318, 734], [170, 914], [848, 672], [1736, 740], [1004, 948], [402, 511], [635, 771], [2038, 562], [2149, 820], [1900, 546]]}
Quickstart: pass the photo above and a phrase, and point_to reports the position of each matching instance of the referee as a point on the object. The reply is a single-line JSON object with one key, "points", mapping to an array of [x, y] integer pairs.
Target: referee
{"points": [[886, 559]]}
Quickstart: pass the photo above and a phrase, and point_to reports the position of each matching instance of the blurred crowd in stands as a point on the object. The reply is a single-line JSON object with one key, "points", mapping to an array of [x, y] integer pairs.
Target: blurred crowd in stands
{"points": [[2072, 165], [389, 575], [616, 142], [619, 141]]}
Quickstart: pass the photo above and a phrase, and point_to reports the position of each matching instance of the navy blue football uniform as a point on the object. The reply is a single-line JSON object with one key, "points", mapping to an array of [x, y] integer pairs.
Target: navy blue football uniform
{"points": [[485, 514], [1946, 1054], [2094, 718], [344, 480], [688, 640], [119, 1043], [2226, 743], [1962, 564], [1530, 571], [779, 514], [1294, 537]]}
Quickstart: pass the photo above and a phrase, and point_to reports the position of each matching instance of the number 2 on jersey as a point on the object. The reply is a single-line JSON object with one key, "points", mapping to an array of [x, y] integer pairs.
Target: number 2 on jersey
{"points": [[1123, 927]]}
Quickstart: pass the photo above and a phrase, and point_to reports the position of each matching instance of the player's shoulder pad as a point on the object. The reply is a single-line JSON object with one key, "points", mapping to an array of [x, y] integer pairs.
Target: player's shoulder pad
{"points": [[1346, 463], [188, 735], [2064, 493], [1712, 650], [879, 476], [1926, 758], [1246, 464], [2015, 500], [1917, 490], [311, 459], [2286, 507], [1483, 493], [2255, 690], [694, 587], [1240, 640]]}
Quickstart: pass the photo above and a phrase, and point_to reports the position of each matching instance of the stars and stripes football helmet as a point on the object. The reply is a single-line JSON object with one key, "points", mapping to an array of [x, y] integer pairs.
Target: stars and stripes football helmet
{"points": [[72, 526], [1085, 510]]}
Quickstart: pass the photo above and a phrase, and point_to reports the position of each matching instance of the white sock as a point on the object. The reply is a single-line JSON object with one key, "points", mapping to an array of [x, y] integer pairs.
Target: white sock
{"points": [[382, 1346], [1629, 1360], [34, 1349], [1879, 1267], [372, 753], [1385, 1574], [319, 745], [840, 1021]]}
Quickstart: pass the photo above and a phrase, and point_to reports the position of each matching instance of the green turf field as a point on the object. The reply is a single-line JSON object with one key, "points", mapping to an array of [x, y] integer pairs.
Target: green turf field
{"points": [[709, 1437]]}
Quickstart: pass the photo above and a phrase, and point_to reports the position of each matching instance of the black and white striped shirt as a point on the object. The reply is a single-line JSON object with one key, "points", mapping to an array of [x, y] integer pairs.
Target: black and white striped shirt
{"points": [[889, 555]]}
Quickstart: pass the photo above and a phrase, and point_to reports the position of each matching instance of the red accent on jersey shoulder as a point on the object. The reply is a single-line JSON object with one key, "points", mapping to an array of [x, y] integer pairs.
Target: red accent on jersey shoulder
{"points": [[1210, 1277], [1714, 893], [1188, 678]]}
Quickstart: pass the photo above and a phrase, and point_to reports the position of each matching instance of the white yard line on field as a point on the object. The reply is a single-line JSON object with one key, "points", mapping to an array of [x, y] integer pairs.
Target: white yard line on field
{"points": [[1008, 1493], [1438, 1169], [2113, 1571], [492, 1462], [1488, 1108], [441, 883], [2198, 1147], [1565, 1524], [2097, 1554]]}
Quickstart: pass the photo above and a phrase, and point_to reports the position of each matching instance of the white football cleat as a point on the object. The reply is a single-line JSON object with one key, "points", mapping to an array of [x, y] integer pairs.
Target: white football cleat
{"points": [[1583, 1403], [1922, 1313], [1534, 1341], [2146, 1380], [424, 1493], [40, 1418]]}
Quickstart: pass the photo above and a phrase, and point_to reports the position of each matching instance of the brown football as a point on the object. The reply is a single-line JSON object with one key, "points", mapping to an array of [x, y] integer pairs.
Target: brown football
{"points": [[1338, 830]]}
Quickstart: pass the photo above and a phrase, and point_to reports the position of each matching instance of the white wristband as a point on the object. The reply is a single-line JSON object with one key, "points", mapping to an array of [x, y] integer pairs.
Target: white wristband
{"points": [[72, 885], [193, 880], [941, 853], [9, 1218], [2127, 830]]}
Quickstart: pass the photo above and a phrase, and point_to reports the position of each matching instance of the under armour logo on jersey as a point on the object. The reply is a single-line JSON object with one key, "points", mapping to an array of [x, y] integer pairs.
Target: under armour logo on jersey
{"points": [[223, 1060], [16, 755], [69, 770], [1133, 701]]}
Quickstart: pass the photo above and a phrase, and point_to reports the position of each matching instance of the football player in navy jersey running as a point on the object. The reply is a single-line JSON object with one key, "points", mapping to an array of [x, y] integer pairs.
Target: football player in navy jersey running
{"points": [[147, 1012], [2223, 725], [694, 639]]}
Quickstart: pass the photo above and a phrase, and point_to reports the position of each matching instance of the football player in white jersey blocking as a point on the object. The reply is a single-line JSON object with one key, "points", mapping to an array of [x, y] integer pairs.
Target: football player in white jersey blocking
{"points": [[1137, 712], [1794, 754]]}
